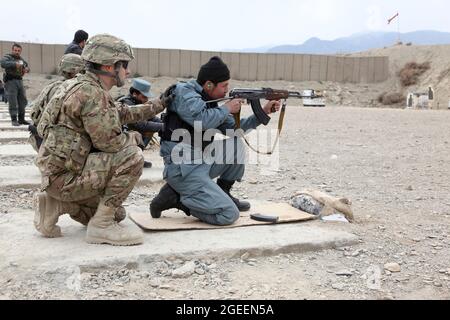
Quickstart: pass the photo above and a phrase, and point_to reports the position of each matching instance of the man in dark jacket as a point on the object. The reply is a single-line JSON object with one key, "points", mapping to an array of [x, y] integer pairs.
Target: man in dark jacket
{"points": [[2, 92], [140, 94], [15, 68], [78, 43]]}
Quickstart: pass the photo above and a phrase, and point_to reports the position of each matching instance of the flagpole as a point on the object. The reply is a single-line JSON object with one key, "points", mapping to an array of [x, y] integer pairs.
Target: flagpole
{"points": [[397, 16]]}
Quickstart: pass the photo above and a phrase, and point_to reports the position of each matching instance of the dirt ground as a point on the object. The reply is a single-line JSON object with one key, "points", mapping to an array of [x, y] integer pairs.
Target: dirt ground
{"points": [[393, 165]]}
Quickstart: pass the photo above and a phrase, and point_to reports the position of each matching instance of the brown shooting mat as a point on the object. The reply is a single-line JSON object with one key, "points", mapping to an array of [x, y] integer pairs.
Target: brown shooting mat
{"points": [[174, 220]]}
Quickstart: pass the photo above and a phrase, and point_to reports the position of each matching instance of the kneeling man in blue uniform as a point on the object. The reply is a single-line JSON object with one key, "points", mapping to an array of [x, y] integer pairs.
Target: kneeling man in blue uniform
{"points": [[192, 164]]}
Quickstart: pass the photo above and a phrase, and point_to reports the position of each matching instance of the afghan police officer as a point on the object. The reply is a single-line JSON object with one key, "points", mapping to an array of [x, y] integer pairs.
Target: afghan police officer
{"points": [[70, 65], [88, 164], [15, 69], [190, 187]]}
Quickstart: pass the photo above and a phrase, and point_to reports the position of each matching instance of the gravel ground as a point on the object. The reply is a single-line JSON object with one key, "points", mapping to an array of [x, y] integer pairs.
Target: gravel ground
{"points": [[392, 164], [16, 161]]}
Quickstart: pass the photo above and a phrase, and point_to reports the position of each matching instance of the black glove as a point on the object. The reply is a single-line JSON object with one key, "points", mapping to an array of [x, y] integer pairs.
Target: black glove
{"points": [[33, 130], [168, 96]]}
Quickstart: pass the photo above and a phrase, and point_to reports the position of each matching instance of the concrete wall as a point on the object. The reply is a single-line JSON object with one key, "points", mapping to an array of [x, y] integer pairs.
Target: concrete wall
{"points": [[44, 58]]}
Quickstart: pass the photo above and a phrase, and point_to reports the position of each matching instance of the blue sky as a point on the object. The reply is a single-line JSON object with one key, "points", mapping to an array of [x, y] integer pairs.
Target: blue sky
{"points": [[213, 24]]}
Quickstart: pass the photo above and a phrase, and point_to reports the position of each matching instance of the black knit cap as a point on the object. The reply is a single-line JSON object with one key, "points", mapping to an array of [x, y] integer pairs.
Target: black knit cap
{"points": [[215, 71]]}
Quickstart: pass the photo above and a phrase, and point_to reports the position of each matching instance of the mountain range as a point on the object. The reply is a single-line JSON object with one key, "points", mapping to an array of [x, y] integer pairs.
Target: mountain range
{"points": [[359, 42]]}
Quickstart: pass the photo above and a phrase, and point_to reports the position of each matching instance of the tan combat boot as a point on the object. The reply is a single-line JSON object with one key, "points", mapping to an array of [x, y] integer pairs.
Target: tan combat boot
{"points": [[103, 229], [84, 217], [47, 211]]}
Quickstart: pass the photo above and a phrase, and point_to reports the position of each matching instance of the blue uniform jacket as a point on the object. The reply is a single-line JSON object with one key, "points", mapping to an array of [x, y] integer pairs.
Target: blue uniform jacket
{"points": [[190, 107]]}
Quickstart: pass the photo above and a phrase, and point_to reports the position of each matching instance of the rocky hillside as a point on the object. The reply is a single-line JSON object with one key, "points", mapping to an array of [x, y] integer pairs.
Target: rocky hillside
{"points": [[438, 76]]}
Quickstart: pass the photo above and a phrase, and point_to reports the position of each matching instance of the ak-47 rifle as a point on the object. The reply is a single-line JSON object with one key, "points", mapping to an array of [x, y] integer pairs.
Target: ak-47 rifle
{"points": [[253, 96]]}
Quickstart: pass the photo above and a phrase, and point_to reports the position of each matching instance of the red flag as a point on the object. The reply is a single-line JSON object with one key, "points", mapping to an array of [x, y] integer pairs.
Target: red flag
{"points": [[393, 18]]}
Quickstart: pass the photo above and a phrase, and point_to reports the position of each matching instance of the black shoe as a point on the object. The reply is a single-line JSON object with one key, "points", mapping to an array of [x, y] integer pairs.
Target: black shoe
{"points": [[167, 199], [24, 122], [15, 123], [148, 164], [226, 186]]}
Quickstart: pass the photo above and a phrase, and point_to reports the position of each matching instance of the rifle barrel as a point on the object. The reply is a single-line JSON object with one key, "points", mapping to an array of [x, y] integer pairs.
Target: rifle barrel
{"points": [[261, 93]]}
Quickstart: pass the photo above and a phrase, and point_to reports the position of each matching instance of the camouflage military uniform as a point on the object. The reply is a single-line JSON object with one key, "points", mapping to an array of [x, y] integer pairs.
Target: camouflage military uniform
{"points": [[69, 66], [37, 108], [88, 164], [41, 101], [88, 114]]}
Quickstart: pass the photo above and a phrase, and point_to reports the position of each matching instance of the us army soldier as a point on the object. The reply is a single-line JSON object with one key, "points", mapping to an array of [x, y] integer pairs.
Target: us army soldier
{"points": [[70, 65], [87, 163]]}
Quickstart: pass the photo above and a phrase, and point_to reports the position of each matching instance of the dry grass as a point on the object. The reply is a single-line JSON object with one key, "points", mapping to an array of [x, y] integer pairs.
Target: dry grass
{"points": [[411, 72], [389, 99]]}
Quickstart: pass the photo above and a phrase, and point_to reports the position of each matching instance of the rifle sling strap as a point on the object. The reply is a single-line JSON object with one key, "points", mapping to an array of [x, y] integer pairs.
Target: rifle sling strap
{"points": [[237, 118]]}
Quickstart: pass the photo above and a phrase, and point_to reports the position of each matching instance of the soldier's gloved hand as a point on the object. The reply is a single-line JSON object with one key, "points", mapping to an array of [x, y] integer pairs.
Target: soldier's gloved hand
{"points": [[168, 96]]}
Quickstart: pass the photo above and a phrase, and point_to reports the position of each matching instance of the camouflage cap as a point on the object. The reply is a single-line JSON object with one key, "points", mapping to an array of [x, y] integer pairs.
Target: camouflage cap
{"points": [[71, 63], [106, 49]]}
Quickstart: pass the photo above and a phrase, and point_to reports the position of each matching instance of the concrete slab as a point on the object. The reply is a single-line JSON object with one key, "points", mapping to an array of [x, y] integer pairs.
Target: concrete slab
{"points": [[244, 59], [164, 62], [30, 177], [271, 70], [6, 116], [262, 67], [315, 68], [143, 61], [297, 71], [5, 108], [196, 63], [153, 63], [280, 63], [20, 176], [174, 69], [17, 150], [23, 246], [19, 136], [356, 70], [6, 126], [253, 67], [349, 64], [289, 68], [48, 59], [185, 63], [35, 61]]}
